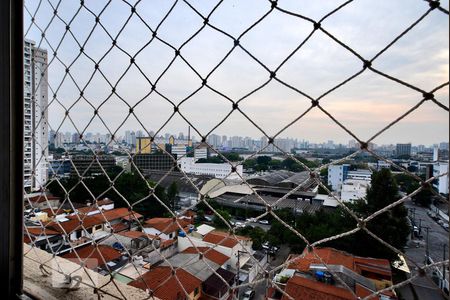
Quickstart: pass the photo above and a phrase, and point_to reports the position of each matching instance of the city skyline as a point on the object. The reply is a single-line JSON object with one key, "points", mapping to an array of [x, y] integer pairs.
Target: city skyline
{"points": [[365, 105], [166, 135]]}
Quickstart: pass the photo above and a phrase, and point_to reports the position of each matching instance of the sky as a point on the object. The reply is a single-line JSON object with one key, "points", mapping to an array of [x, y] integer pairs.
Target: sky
{"points": [[365, 105]]}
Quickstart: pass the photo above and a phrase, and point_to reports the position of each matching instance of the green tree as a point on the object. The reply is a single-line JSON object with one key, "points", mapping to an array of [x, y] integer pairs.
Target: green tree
{"points": [[218, 221], [391, 226], [424, 197], [172, 194]]}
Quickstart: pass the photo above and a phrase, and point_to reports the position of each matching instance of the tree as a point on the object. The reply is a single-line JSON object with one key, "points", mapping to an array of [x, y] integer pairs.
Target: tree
{"points": [[406, 183], [391, 226], [218, 221], [322, 191], [423, 197], [172, 193]]}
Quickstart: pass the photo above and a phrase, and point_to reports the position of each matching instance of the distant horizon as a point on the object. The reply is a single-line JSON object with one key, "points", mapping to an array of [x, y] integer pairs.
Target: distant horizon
{"points": [[337, 143], [364, 105]]}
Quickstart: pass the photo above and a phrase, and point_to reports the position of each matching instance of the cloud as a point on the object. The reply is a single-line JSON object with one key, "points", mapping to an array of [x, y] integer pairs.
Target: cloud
{"points": [[366, 104]]}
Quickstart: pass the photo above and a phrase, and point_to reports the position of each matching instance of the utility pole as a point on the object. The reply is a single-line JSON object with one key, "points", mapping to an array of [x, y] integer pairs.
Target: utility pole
{"points": [[443, 259], [427, 249]]}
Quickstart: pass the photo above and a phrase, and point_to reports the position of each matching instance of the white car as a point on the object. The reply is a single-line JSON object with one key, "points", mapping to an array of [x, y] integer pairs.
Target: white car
{"points": [[264, 222], [239, 224], [250, 220]]}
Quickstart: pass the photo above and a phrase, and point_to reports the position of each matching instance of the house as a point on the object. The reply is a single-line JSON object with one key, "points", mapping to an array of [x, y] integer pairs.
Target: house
{"points": [[151, 248], [166, 228], [211, 254], [41, 200], [95, 257], [202, 230], [161, 283], [43, 238], [328, 273], [84, 229], [215, 288]]}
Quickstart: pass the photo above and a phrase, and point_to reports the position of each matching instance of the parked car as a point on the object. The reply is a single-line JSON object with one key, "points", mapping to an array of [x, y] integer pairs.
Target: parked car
{"points": [[239, 224], [250, 220], [265, 222], [266, 245], [249, 294]]}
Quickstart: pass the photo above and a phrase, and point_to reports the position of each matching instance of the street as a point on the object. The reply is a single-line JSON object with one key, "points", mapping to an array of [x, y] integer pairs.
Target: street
{"points": [[432, 238], [280, 258]]}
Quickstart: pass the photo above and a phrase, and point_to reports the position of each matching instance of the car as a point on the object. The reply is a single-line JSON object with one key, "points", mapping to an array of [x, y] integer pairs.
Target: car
{"points": [[248, 294], [264, 222], [266, 245], [239, 224], [250, 220]]}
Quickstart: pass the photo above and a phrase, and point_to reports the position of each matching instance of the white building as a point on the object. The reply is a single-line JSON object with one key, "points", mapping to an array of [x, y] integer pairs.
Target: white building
{"points": [[336, 175], [35, 116], [354, 189], [364, 175], [188, 165], [200, 153], [442, 182], [179, 150]]}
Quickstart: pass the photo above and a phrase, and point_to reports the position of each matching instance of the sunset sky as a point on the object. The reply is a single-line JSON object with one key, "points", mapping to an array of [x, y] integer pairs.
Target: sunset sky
{"points": [[365, 105]]}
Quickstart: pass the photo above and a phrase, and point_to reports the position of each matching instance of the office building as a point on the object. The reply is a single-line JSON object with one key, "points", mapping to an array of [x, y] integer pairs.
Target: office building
{"points": [[336, 175], [403, 149]]}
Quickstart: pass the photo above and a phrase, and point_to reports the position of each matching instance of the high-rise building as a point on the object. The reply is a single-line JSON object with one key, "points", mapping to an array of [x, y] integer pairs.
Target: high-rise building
{"points": [[403, 149], [35, 116]]}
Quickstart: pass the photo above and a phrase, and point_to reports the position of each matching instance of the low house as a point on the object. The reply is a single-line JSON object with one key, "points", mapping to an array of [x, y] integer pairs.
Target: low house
{"points": [[165, 284], [209, 253], [215, 288], [166, 228], [100, 257], [238, 248], [92, 227], [328, 273], [41, 200]]}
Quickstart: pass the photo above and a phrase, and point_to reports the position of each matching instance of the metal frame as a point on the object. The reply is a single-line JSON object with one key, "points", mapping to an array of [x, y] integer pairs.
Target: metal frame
{"points": [[11, 137]]}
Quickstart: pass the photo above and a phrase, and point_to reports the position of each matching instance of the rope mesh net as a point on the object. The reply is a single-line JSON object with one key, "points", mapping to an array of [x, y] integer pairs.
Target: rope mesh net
{"points": [[68, 31]]}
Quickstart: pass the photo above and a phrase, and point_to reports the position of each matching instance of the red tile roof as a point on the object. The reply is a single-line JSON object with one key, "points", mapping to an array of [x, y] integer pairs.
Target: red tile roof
{"points": [[211, 254], [93, 253], [301, 288], [89, 221], [39, 231], [332, 256], [223, 239], [162, 282], [166, 225]]}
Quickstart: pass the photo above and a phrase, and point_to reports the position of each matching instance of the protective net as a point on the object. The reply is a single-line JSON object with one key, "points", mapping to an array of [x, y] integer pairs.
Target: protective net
{"points": [[116, 65]]}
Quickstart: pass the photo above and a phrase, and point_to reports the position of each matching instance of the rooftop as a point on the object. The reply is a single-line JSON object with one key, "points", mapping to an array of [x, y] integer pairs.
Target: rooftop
{"points": [[92, 256], [161, 280], [209, 253]]}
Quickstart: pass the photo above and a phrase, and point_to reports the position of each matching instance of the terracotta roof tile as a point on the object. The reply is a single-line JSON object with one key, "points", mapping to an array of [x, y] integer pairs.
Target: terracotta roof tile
{"points": [[211, 254], [333, 256], [223, 239], [93, 253], [40, 231], [166, 225], [89, 221], [165, 286], [300, 288]]}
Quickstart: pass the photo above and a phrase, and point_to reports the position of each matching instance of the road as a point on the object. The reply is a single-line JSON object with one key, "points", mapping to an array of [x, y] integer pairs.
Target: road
{"points": [[278, 259], [254, 224], [437, 237], [417, 249]]}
